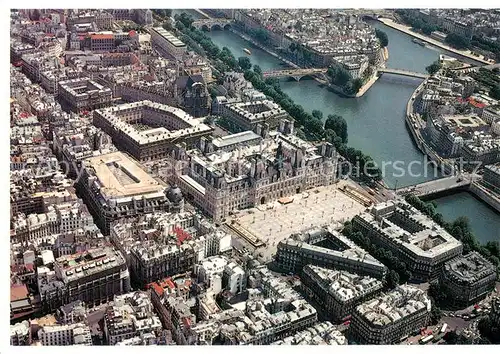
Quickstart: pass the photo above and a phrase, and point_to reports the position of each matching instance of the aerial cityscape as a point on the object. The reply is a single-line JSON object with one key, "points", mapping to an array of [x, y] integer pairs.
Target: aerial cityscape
{"points": [[254, 177]]}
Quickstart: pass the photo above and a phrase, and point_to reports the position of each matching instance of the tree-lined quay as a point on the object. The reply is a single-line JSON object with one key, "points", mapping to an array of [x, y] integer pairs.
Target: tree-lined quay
{"points": [[334, 130]]}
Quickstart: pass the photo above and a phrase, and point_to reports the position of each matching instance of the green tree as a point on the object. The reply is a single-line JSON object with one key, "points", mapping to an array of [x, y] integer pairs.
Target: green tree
{"points": [[185, 19], [382, 37], [436, 314], [261, 35], [257, 70], [495, 92], [356, 85], [457, 41], [317, 114], [433, 68], [167, 26], [339, 75], [244, 63], [392, 279], [338, 125]]}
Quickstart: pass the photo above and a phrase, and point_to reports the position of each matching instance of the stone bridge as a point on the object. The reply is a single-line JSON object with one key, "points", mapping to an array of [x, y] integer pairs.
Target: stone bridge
{"points": [[297, 74], [212, 23]]}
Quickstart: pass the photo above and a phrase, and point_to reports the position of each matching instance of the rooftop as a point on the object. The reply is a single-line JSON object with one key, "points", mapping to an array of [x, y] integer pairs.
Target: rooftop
{"points": [[342, 285], [401, 302], [121, 176], [410, 228], [169, 37], [469, 268], [75, 266], [322, 333], [238, 138], [161, 118]]}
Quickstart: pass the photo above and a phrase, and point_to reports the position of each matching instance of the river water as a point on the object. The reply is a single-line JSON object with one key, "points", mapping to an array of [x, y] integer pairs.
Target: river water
{"points": [[376, 121]]}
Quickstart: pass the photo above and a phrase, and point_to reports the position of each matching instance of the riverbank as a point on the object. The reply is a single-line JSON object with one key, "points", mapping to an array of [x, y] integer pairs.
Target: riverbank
{"points": [[264, 48], [334, 88], [376, 121], [413, 122], [367, 86], [485, 195], [407, 30]]}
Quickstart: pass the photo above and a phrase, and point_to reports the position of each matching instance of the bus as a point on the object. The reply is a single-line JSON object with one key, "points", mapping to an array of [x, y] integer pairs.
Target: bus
{"points": [[426, 339], [443, 329]]}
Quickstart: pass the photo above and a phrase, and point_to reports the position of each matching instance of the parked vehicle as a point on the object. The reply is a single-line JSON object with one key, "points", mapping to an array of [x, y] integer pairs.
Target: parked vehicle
{"points": [[426, 339]]}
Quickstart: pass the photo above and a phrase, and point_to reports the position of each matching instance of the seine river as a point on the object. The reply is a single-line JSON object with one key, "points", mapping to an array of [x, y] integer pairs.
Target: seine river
{"points": [[376, 121]]}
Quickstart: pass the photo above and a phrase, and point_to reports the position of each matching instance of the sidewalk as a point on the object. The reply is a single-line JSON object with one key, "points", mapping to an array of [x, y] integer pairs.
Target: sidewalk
{"points": [[367, 86]]}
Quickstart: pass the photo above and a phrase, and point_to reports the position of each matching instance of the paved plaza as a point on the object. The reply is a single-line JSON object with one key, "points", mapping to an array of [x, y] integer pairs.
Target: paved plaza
{"points": [[319, 206]]}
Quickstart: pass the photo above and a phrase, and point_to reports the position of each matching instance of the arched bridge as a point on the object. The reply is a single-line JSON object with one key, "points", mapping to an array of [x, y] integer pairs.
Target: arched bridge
{"points": [[212, 23], [371, 13], [297, 74], [402, 72]]}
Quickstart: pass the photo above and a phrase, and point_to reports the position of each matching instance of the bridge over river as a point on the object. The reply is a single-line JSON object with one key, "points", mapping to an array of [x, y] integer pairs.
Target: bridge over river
{"points": [[298, 74], [212, 23], [437, 186]]}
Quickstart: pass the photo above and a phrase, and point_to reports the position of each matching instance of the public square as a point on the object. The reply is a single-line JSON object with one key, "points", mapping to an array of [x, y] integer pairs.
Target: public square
{"points": [[319, 206]]}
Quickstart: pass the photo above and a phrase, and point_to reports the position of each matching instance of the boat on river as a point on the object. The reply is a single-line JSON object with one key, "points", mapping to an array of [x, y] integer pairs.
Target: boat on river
{"points": [[418, 41], [247, 51]]}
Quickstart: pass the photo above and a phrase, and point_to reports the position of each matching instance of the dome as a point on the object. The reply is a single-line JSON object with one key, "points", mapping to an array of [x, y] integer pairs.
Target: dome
{"points": [[174, 194]]}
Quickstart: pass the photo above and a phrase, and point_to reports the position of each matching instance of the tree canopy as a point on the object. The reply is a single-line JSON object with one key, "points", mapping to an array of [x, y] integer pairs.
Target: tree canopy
{"points": [[495, 92], [434, 67], [382, 37], [244, 63], [457, 41], [339, 75], [338, 125]]}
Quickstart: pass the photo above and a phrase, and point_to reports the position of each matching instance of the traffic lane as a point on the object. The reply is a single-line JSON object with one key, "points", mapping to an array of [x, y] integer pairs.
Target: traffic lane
{"points": [[454, 323]]}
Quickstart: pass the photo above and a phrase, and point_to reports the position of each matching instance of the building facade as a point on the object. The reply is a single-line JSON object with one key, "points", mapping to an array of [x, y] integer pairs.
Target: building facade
{"points": [[220, 182], [300, 250], [84, 94], [114, 186], [93, 277], [248, 115]]}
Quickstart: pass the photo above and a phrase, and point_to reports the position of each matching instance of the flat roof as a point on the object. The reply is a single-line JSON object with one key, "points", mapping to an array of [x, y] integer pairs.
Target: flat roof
{"points": [[169, 37], [237, 138], [121, 176]]}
